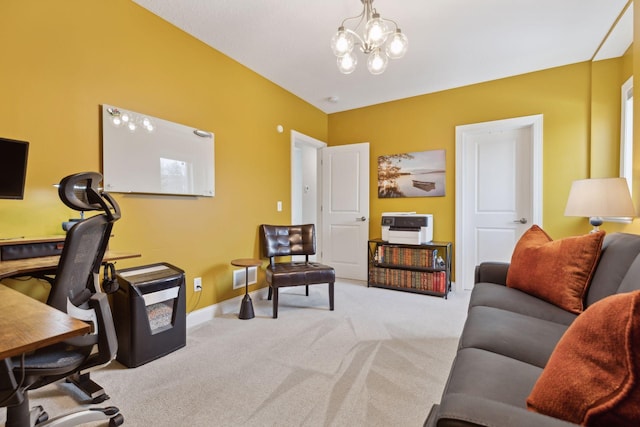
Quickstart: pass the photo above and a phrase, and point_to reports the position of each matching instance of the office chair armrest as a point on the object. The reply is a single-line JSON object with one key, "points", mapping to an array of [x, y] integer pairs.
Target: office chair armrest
{"points": [[103, 330], [107, 339], [88, 315]]}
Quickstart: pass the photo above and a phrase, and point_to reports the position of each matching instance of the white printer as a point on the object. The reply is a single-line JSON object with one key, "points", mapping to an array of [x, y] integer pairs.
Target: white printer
{"points": [[407, 227]]}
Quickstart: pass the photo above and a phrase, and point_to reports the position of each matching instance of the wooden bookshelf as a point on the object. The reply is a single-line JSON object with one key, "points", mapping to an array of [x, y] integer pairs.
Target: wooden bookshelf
{"points": [[422, 269]]}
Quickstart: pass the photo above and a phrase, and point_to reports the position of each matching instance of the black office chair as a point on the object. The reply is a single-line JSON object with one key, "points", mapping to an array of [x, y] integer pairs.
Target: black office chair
{"points": [[76, 291]]}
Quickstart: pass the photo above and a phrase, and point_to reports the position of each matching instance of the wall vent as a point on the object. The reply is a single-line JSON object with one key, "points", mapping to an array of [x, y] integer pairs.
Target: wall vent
{"points": [[239, 280]]}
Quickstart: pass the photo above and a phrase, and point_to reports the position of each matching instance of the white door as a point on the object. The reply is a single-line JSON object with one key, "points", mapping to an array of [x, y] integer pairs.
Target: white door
{"points": [[498, 190], [345, 209]]}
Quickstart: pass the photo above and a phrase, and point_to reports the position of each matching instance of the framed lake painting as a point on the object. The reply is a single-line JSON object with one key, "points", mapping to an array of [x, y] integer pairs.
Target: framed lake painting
{"points": [[419, 174]]}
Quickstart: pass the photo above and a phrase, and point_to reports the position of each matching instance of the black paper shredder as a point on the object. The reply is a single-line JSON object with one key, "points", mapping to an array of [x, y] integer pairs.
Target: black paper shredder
{"points": [[149, 313]]}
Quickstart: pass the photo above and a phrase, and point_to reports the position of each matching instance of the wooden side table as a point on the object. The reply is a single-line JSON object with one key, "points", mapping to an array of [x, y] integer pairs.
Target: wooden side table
{"points": [[246, 307]]}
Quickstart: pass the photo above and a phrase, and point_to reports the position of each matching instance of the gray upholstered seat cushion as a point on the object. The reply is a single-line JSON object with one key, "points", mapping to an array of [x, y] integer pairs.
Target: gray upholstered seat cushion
{"points": [[500, 296], [482, 373], [460, 410], [527, 339]]}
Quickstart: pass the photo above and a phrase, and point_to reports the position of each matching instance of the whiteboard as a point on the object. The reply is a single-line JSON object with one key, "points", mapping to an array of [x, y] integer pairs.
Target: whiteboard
{"points": [[145, 154]]}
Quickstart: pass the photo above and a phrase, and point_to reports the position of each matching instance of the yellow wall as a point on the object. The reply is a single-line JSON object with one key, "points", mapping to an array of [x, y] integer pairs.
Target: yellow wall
{"points": [[62, 60], [428, 122], [607, 78]]}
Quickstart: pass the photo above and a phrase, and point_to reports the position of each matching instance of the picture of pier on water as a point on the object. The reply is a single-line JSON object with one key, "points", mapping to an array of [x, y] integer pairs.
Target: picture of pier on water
{"points": [[419, 174]]}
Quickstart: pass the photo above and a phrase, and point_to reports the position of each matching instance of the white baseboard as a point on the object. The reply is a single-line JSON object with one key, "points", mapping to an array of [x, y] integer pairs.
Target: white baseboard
{"points": [[232, 305]]}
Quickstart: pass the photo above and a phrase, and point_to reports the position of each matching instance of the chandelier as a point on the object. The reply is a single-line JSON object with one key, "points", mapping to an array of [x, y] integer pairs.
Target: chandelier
{"points": [[379, 40]]}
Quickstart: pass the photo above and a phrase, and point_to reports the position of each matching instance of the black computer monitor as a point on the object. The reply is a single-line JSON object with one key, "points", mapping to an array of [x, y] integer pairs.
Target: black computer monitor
{"points": [[13, 168]]}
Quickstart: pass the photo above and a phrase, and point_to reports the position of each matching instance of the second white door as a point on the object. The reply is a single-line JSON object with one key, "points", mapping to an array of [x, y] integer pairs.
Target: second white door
{"points": [[498, 194], [345, 209]]}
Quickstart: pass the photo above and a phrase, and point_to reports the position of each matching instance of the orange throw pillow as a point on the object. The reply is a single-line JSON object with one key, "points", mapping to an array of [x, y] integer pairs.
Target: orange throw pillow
{"points": [[591, 378], [557, 271]]}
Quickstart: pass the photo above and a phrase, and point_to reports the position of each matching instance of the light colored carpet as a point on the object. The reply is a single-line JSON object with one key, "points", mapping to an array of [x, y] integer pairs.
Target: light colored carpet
{"points": [[380, 359]]}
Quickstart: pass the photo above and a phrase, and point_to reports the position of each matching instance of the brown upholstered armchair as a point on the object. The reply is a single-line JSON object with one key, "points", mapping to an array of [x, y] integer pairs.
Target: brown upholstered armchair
{"points": [[286, 240]]}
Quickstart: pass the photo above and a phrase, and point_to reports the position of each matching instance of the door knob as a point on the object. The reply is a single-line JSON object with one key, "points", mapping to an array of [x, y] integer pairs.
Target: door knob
{"points": [[521, 220], [362, 218]]}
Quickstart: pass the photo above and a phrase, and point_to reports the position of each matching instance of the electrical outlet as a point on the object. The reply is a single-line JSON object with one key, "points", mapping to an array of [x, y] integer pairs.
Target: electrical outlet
{"points": [[197, 284]]}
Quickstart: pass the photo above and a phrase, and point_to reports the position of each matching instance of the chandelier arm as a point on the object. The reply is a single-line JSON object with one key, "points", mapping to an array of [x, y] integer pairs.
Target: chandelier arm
{"points": [[395, 24], [360, 16], [356, 35]]}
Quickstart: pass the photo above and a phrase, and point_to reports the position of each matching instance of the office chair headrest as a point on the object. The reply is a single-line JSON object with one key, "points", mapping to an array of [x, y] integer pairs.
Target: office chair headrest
{"points": [[81, 192]]}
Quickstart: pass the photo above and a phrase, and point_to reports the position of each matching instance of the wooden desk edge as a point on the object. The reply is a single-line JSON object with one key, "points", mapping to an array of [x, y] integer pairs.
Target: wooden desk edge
{"points": [[37, 324], [27, 266], [29, 240]]}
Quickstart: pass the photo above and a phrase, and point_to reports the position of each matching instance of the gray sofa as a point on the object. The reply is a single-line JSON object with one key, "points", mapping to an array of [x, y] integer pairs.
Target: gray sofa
{"points": [[508, 338]]}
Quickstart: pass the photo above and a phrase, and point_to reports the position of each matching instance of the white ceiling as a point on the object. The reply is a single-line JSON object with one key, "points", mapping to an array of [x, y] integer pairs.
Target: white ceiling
{"points": [[452, 43]]}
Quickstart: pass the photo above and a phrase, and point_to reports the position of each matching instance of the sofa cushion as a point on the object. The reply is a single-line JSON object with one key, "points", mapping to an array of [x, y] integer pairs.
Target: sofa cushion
{"points": [[558, 271], [617, 269], [514, 335], [464, 410], [631, 281], [592, 376], [492, 376], [499, 296]]}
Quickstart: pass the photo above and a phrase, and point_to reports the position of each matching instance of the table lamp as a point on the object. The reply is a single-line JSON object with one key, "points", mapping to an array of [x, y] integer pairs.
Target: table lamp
{"points": [[598, 198]]}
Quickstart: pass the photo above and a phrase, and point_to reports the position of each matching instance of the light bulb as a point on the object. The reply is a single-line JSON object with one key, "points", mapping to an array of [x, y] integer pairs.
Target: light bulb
{"points": [[116, 121], [131, 126], [342, 42], [377, 62], [125, 117], [347, 63], [147, 124], [397, 46], [375, 32]]}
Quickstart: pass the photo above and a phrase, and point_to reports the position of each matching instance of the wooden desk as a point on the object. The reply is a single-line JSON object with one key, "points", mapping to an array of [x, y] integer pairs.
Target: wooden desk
{"points": [[25, 240], [27, 324], [27, 266]]}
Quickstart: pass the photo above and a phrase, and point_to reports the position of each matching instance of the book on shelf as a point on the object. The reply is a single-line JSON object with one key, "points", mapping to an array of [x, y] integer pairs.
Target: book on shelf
{"points": [[405, 256], [435, 281]]}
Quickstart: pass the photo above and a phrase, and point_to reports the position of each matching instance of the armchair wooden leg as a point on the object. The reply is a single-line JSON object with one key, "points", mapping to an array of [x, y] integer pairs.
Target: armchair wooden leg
{"points": [[270, 292], [331, 296], [307, 289], [275, 302]]}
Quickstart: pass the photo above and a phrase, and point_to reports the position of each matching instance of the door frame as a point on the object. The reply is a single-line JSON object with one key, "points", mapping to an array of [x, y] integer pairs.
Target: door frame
{"points": [[300, 140], [463, 194]]}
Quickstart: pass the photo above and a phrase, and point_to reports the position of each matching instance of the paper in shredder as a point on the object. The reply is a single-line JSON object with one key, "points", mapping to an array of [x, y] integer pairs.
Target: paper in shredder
{"points": [[149, 313]]}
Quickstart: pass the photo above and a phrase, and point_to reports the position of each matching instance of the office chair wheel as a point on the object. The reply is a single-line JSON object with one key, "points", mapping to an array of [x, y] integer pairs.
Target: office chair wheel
{"points": [[118, 420], [100, 399], [42, 414]]}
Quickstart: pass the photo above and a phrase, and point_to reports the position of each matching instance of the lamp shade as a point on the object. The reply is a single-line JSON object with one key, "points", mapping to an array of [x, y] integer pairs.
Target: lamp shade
{"points": [[600, 197]]}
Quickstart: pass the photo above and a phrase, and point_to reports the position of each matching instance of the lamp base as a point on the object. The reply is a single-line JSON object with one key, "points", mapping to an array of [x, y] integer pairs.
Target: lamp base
{"points": [[596, 221]]}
